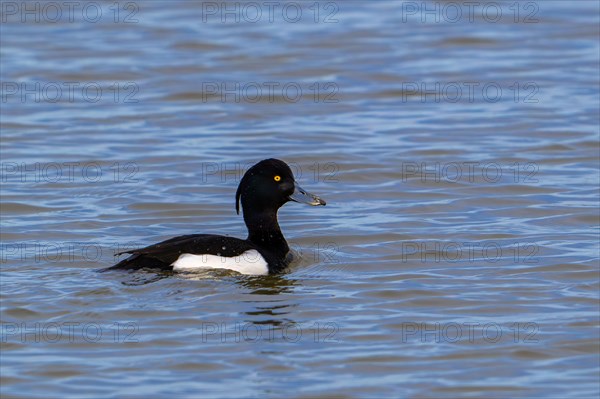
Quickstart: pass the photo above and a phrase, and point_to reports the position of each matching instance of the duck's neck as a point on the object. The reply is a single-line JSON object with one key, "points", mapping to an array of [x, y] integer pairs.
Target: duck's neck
{"points": [[264, 231]]}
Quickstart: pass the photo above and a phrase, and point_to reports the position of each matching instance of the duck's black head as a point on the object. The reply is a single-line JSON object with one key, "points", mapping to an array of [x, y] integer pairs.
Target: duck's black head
{"points": [[268, 185]]}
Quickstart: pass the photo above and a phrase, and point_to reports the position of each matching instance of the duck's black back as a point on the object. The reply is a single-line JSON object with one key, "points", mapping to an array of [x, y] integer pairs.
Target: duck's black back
{"points": [[163, 254]]}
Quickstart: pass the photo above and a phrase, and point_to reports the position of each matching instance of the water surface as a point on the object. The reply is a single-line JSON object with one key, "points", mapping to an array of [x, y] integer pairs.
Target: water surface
{"points": [[458, 252]]}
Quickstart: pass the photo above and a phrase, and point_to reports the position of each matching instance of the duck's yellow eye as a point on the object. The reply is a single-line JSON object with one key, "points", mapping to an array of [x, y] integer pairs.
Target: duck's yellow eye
{"points": [[277, 178]]}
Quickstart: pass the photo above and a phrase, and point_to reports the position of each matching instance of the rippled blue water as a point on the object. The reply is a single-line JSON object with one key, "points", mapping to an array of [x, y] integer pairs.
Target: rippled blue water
{"points": [[457, 256]]}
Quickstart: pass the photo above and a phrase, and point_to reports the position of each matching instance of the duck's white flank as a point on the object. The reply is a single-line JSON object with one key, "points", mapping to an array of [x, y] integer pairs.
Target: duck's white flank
{"points": [[249, 262]]}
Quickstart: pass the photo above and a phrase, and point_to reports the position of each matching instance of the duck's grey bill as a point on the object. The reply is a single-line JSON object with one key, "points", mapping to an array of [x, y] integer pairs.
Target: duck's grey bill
{"points": [[299, 195]]}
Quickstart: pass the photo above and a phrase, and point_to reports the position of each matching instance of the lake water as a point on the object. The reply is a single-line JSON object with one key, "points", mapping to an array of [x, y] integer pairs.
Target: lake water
{"points": [[456, 145]]}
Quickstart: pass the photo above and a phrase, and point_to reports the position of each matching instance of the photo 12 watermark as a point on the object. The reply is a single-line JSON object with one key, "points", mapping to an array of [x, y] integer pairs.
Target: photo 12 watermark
{"points": [[270, 92], [469, 172], [471, 252], [228, 332], [252, 12], [49, 12], [471, 332], [64, 252], [68, 332], [232, 172], [469, 92], [68, 172], [454, 12], [69, 92]]}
